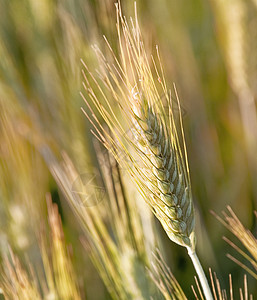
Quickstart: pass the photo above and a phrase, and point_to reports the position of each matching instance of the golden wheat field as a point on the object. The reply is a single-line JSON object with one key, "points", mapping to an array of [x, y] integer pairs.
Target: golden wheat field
{"points": [[128, 149]]}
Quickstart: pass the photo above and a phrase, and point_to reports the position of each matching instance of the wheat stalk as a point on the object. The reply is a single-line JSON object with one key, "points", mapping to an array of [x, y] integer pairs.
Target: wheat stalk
{"points": [[152, 155]]}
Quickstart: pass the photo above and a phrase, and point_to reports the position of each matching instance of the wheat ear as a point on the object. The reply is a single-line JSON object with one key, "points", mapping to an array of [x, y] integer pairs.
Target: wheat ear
{"points": [[170, 192], [172, 199], [152, 155]]}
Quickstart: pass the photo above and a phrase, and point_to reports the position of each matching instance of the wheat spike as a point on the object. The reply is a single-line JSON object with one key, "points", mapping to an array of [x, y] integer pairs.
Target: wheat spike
{"points": [[153, 155], [171, 198]]}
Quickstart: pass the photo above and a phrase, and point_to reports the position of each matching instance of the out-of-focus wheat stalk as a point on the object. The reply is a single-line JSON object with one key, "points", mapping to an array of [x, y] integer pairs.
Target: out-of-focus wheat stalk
{"points": [[222, 294], [245, 236], [118, 252], [237, 23], [153, 155], [57, 278], [17, 283], [165, 280], [19, 190], [64, 276]]}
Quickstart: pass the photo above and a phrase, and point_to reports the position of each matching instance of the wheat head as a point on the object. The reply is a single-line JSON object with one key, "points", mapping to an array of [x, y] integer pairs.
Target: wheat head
{"points": [[170, 198], [153, 154]]}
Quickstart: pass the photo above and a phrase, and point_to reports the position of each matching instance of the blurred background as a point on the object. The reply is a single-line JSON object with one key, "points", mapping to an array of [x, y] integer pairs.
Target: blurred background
{"points": [[209, 51]]}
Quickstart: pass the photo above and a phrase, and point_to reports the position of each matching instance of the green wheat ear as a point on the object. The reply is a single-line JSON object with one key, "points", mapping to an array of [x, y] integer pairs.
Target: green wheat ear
{"points": [[170, 194], [152, 155]]}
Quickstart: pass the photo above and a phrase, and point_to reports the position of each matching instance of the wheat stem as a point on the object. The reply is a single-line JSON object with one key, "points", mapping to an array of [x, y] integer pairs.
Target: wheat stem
{"points": [[200, 273]]}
